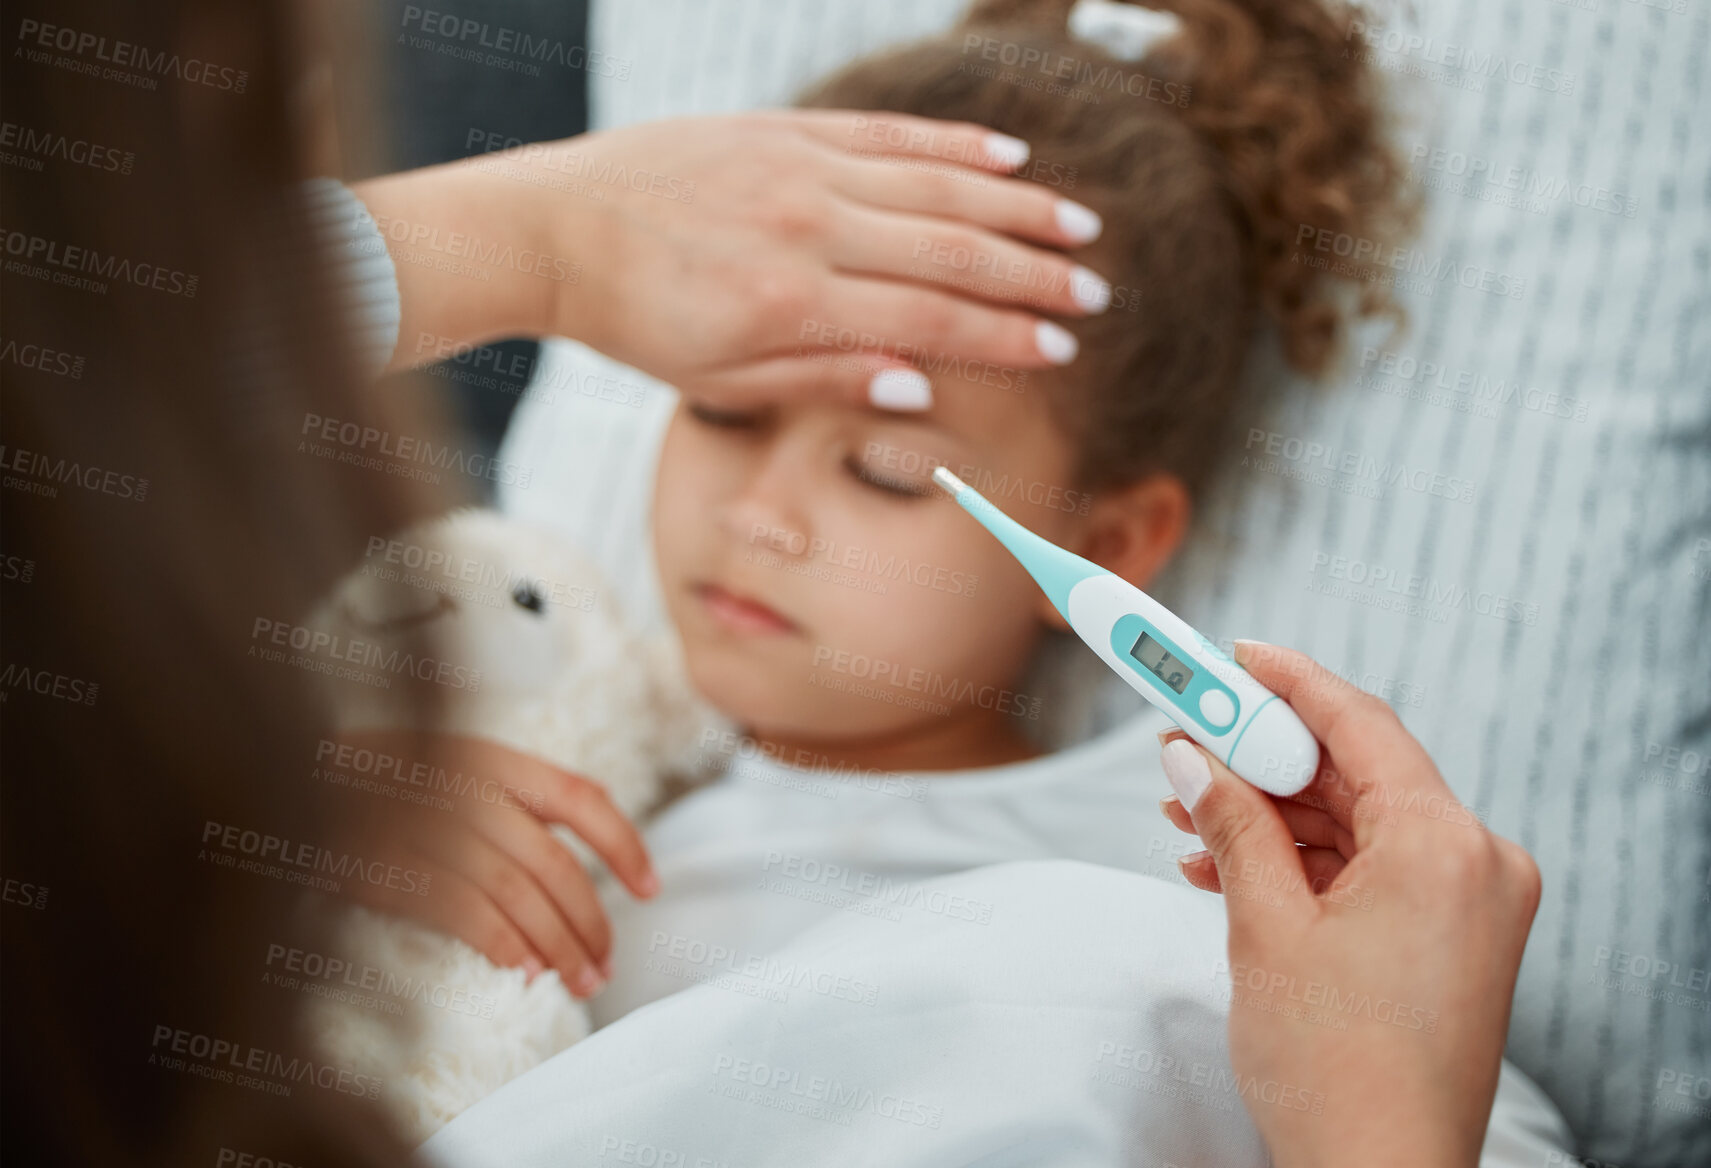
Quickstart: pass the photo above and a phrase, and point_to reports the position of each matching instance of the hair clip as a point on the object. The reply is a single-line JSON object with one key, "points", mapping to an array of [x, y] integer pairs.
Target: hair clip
{"points": [[1126, 31]]}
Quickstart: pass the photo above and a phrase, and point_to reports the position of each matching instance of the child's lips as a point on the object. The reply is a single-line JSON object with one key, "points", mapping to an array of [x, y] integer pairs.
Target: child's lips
{"points": [[742, 614]]}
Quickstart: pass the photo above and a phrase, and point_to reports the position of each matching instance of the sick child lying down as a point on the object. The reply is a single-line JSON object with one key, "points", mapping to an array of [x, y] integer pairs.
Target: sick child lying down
{"points": [[895, 929], [872, 641]]}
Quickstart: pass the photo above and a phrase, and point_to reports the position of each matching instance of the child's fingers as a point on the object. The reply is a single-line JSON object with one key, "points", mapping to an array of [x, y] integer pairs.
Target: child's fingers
{"points": [[516, 893], [586, 808], [459, 909], [526, 840]]}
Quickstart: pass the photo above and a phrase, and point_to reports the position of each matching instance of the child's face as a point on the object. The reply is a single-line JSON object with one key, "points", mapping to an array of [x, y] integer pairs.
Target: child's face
{"points": [[826, 590]]}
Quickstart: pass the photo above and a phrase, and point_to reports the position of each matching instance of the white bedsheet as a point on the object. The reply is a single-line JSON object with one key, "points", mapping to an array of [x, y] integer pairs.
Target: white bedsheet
{"points": [[1084, 1026]]}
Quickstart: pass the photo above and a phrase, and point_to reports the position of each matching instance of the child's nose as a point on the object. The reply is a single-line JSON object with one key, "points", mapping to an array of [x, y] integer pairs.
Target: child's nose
{"points": [[769, 512]]}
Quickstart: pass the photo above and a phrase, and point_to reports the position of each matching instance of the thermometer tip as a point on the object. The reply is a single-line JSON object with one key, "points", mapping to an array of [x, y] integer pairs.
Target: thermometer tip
{"points": [[943, 476]]}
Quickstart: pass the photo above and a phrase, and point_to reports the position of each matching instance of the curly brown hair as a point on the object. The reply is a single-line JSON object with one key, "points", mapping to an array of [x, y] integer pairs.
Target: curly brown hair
{"points": [[1218, 162]]}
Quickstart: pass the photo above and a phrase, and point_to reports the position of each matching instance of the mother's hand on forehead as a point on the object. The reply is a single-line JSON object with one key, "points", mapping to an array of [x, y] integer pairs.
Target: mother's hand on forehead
{"points": [[777, 256]]}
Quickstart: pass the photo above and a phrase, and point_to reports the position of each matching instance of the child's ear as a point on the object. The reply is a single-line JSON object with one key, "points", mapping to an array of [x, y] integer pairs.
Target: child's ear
{"points": [[1132, 530]]}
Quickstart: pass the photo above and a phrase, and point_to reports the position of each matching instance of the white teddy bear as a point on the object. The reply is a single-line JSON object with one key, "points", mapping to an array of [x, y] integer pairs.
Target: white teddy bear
{"points": [[540, 660]]}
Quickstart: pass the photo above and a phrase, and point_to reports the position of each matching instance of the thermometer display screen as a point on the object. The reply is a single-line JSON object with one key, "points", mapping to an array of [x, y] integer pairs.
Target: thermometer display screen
{"points": [[1161, 664]]}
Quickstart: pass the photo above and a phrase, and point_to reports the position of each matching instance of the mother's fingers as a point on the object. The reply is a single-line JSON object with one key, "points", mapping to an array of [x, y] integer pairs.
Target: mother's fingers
{"points": [[1027, 210], [1373, 768], [1323, 866], [931, 326], [1309, 825], [1320, 867], [906, 136], [964, 259], [1340, 715], [1200, 870], [1244, 832], [822, 375]]}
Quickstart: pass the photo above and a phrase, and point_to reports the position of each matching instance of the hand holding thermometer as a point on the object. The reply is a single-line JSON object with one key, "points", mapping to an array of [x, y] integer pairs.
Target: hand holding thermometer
{"points": [[1161, 656]]}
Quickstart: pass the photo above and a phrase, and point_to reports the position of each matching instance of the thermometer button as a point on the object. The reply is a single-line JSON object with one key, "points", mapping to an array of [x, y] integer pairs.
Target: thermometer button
{"points": [[1217, 708]]}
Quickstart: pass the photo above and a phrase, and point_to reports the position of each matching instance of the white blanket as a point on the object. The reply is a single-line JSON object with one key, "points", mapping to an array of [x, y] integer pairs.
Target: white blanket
{"points": [[1085, 1025]]}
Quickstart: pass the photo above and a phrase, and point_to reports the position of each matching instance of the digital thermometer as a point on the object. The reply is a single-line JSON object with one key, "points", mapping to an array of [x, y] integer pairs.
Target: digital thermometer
{"points": [[1161, 656]]}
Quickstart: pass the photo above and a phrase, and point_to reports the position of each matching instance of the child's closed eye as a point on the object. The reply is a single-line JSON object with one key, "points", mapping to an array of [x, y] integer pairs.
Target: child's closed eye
{"points": [[901, 487], [729, 419]]}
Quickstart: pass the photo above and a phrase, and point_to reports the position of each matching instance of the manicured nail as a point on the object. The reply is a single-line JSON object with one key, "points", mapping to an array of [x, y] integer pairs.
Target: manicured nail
{"points": [[1007, 151], [900, 389], [1187, 771], [1090, 290], [1057, 344], [648, 884], [1191, 858], [1244, 650], [587, 981], [1164, 805], [532, 968], [1081, 224], [1165, 736]]}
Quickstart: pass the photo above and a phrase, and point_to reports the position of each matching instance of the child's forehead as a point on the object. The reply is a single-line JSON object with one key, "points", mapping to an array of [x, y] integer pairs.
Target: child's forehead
{"points": [[991, 412]]}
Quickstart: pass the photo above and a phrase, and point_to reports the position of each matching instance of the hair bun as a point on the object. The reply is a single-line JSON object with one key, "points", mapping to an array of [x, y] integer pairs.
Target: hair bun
{"points": [[1297, 123]]}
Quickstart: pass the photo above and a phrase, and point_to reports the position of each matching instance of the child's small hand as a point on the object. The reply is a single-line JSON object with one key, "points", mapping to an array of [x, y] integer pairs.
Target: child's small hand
{"points": [[497, 878]]}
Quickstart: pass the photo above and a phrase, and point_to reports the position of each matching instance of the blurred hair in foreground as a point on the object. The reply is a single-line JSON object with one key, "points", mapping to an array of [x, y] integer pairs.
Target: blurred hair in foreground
{"points": [[146, 594]]}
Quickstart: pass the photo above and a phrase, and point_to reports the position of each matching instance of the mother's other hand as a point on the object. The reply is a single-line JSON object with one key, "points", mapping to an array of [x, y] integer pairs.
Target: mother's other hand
{"points": [[1376, 930]]}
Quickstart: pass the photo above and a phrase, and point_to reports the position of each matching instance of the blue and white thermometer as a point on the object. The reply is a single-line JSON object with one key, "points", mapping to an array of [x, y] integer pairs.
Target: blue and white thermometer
{"points": [[1161, 656]]}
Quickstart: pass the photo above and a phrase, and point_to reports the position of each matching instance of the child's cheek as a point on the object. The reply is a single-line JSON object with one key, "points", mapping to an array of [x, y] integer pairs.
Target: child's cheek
{"points": [[956, 614]]}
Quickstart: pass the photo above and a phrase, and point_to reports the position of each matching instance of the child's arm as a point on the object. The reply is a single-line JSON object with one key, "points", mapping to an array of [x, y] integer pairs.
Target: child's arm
{"points": [[496, 877]]}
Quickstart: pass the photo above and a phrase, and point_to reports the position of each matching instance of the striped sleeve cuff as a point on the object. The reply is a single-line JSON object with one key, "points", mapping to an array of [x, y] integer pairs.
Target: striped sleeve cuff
{"points": [[361, 266]]}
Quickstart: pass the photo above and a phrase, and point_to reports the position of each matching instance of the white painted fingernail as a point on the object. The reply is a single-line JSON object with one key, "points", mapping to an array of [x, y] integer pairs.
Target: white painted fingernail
{"points": [[900, 389], [1187, 771], [1056, 343], [1090, 290], [1081, 224], [1007, 151]]}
